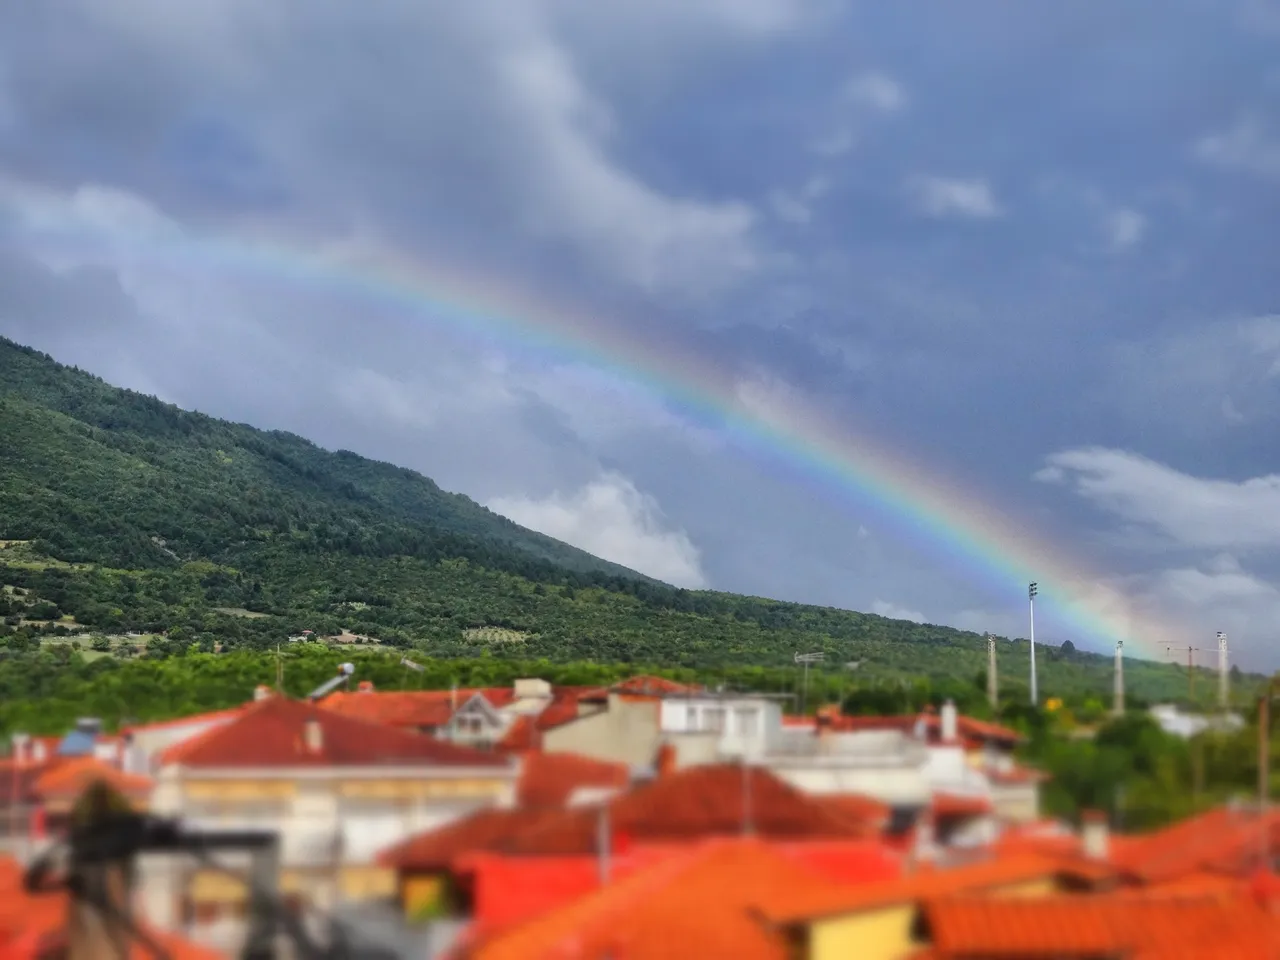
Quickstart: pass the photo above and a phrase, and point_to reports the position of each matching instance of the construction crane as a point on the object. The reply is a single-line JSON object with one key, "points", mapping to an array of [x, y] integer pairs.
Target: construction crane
{"points": [[1191, 667]]}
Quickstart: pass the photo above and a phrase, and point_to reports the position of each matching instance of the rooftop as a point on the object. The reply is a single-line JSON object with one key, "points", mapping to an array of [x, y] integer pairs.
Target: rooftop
{"points": [[280, 732], [698, 802], [698, 904]]}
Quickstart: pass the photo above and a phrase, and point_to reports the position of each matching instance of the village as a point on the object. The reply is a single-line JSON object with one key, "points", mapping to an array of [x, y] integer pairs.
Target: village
{"points": [[648, 819]]}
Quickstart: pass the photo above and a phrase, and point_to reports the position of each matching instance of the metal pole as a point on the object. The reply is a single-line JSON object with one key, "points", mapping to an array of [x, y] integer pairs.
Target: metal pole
{"points": [[1118, 700], [993, 682], [1031, 597]]}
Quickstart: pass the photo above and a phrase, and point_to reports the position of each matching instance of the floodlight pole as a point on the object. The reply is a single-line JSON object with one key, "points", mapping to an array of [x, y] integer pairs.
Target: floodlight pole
{"points": [[806, 659], [1032, 589]]}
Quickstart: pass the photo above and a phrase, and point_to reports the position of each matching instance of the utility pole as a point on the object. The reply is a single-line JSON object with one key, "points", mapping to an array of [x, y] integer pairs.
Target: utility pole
{"points": [[1191, 671], [1224, 673], [1032, 590], [1118, 697], [806, 659], [993, 682]]}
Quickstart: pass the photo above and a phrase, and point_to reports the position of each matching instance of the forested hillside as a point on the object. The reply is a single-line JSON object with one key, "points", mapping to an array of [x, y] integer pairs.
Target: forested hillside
{"points": [[123, 515]]}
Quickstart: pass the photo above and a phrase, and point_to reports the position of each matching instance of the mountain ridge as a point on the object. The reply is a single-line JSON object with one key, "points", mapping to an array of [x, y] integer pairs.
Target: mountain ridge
{"points": [[142, 517]]}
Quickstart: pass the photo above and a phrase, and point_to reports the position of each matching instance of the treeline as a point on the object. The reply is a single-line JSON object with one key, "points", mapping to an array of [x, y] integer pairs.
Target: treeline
{"points": [[1129, 768]]}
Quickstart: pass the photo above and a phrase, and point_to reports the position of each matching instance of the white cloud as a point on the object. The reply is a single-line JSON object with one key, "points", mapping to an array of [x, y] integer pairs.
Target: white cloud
{"points": [[1198, 379], [1125, 228], [797, 206], [895, 612], [1248, 145], [876, 91], [950, 197], [613, 520], [1188, 511], [468, 108]]}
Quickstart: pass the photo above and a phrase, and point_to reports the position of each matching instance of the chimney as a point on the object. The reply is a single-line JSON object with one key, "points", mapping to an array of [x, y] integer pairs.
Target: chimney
{"points": [[19, 744], [313, 735], [38, 752], [667, 761], [261, 692], [1095, 836], [950, 722], [365, 686]]}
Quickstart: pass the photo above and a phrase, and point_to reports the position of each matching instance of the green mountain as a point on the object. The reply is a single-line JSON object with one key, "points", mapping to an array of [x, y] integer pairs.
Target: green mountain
{"points": [[120, 514]]}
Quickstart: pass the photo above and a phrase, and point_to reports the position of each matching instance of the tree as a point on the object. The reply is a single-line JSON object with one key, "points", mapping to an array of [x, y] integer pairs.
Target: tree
{"points": [[1068, 648]]}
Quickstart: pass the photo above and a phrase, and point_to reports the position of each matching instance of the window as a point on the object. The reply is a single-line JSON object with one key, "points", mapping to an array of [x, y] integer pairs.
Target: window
{"points": [[747, 721], [713, 719]]}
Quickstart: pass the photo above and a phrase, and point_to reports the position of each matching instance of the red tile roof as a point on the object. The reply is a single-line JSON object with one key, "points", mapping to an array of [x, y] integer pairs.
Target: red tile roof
{"points": [[641, 686], [969, 728], [74, 775], [435, 850], [696, 905], [1086, 926], [273, 733], [212, 715], [1222, 840], [409, 709], [926, 884], [698, 802], [548, 780], [526, 732], [873, 814]]}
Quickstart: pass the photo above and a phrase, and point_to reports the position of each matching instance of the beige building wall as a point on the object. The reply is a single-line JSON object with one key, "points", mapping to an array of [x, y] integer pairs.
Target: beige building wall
{"points": [[627, 732]]}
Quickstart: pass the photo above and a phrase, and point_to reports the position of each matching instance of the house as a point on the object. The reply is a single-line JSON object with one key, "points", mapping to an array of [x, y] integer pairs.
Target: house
{"points": [[335, 789], [881, 921], [698, 903]]}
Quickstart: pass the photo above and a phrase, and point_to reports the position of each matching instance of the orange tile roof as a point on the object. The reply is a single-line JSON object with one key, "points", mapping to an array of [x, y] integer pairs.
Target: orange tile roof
{"points": [[969, 728], [435, 850], [525, 733], [1084, 925], [75, 774], [272, 733], [1223, 840], [409, 709], [641, 686], [548, 780], [698, 802], [697, 905], [926, 884]]}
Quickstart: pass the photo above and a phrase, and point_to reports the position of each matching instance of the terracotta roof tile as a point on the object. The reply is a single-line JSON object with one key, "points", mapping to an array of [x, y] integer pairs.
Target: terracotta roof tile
{"points": [[1082, 925], [212, 715], [969, 728], [273, 733], [437, 849], [1223, 840], [409, 709], [74, 775], [926, 884], [548, 780], [697, 905], [641, 686], [525, 732], [694, 803], [953, 805]]}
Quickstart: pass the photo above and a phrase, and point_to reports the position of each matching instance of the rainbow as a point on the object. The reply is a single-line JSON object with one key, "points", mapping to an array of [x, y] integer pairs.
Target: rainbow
{"points": [[774, 426]]}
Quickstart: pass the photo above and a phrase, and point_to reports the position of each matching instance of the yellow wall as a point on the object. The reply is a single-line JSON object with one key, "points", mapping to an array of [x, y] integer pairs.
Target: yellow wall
{"points": [[232, 790], [424, 789], [871, 935], [417, 893], [356, 883], [368, 883], [885, 934]]}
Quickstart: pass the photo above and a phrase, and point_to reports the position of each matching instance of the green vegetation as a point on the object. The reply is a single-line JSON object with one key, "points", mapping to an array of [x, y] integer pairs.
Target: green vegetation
{"points": [[135, 529]]}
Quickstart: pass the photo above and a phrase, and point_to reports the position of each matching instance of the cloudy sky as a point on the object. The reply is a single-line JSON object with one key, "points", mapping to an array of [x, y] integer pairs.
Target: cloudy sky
{"points": [[1029, 249]]}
